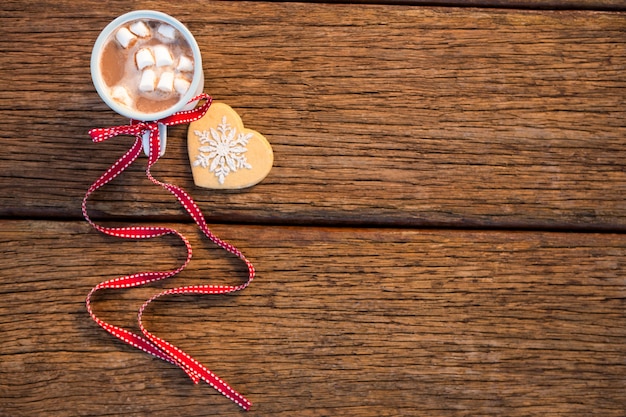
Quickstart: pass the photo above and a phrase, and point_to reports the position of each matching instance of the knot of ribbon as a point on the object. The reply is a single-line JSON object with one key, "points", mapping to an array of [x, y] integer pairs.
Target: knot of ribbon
{"points": [[147, 341]]}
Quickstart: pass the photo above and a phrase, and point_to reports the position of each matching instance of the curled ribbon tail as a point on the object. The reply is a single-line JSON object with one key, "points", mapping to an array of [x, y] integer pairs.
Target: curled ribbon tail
{"points": [[148, 342], [191, 366]]}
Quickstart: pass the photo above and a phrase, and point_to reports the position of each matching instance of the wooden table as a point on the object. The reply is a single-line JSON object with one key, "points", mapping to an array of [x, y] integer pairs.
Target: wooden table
{"points": [[442, 233]]}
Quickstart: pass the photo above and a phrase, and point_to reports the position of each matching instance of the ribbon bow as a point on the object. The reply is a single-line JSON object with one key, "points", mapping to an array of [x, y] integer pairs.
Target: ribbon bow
{"points": [[137, 128], [148, 342]]}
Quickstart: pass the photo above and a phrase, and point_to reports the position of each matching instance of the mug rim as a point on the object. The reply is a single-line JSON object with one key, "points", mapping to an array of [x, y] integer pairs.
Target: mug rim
{"points": [[102, 88]]}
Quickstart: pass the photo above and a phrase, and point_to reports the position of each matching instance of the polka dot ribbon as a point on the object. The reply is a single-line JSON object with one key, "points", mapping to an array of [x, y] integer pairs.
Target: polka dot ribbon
{"points": [[147, 341]]}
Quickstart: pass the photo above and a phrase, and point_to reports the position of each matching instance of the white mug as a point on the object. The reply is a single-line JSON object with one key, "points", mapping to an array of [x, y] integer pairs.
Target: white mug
{"points": [[197, 82]]}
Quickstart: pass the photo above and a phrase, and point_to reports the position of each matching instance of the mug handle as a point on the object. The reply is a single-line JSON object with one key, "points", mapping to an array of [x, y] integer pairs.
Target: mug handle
{"points": [[145, 140]]}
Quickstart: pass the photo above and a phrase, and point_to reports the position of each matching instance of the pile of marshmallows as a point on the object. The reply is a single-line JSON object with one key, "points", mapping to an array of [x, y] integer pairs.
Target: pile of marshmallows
{"points": [[156, 63]]}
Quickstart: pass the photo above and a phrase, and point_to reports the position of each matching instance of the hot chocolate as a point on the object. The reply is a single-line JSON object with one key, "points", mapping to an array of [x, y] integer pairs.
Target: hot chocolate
{"points": [[146, 65]]}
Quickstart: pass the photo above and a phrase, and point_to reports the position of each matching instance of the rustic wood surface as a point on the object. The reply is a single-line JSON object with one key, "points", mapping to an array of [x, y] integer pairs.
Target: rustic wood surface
{"points": [[442, 232], [358, 322], [405, 116], [514, 4]]}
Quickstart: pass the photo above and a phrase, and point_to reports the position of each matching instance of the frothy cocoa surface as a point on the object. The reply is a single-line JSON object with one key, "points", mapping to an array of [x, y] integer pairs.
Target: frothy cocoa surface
{"points": [[118, 68], [148, 105], [111, 70]]}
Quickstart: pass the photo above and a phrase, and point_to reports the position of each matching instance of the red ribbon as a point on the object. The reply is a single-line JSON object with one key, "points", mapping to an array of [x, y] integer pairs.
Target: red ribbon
{"points": [[147, 341]]}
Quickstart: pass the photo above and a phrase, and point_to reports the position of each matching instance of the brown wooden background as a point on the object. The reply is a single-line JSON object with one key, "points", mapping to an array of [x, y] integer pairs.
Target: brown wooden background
{"points": [[442, 232]]}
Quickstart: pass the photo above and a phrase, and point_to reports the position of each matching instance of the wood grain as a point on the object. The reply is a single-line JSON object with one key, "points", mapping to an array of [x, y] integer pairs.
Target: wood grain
{"points": [[518, 4], [339, 322], [378, 115]]}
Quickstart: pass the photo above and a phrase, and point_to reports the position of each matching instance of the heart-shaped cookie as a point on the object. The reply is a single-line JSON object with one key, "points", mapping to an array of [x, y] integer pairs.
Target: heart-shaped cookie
{"points": [[224, 154]]}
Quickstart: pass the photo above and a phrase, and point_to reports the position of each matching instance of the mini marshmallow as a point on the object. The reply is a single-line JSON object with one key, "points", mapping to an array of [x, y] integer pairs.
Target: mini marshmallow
{"points": [[140, 29], [185, 64], [181, 85], [144, 58], [147, 82], [166, 82], [120, 94], [167, 32], [124, 37], [162, 56]]}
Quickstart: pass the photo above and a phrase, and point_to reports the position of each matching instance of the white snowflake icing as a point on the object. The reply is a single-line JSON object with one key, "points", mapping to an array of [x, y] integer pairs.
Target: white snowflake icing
{"points": [[223, 150]]}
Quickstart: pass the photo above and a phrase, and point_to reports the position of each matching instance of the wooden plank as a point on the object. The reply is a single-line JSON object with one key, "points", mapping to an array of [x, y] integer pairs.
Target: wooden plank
{"points": [[377, 114], [518, 4], [339, 322]]}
